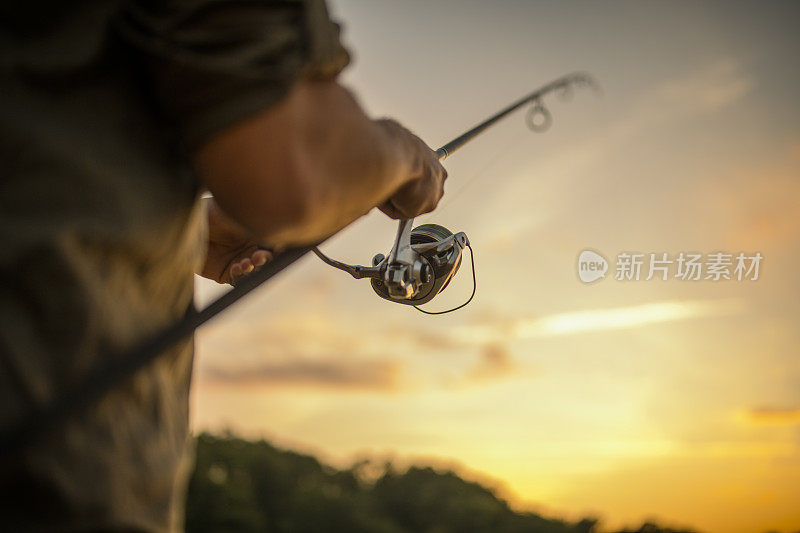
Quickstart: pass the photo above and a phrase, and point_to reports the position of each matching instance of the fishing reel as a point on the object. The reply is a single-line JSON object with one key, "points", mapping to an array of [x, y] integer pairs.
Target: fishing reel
{"points": [[419, 266]]}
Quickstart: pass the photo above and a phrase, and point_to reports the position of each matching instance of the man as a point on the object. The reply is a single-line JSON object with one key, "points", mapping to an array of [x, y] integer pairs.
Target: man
{"points": [[115, 116]]}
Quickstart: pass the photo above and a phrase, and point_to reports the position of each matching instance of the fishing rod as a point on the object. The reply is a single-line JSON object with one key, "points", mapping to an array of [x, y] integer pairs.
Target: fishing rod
{"points": [[420, 265]]}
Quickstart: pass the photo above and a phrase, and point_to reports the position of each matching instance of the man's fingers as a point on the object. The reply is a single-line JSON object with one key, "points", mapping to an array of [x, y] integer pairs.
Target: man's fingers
{"points": [[248, 264], [415, 198], [261, 257], [391, 210]]}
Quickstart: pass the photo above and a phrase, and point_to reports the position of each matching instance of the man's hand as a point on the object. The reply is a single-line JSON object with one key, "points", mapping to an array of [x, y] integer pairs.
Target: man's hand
{"points": [[232, 252], [425, 187]]}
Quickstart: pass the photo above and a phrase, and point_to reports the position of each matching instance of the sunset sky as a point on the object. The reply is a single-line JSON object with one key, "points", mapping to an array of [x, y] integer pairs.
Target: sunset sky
{"points": [[676, 400]]}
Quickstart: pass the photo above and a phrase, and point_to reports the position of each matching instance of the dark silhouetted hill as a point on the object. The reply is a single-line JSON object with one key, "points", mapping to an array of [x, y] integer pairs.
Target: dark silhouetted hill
{"points": [[240, 486]]}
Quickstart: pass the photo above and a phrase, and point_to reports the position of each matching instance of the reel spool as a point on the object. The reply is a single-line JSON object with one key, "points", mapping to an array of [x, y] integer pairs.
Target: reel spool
{"points": [[438, 266]]}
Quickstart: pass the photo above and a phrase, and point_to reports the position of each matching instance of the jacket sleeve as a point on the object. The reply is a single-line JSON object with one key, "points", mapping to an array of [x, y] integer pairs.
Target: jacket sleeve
{"points": [[211, 63]]}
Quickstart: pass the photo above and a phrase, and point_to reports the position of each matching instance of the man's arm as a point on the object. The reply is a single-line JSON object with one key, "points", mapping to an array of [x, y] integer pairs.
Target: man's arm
{"points": [[313, 163]]}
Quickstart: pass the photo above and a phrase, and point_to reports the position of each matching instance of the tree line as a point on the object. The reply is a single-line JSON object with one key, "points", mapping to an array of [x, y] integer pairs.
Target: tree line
{"points": [[241, 486]]}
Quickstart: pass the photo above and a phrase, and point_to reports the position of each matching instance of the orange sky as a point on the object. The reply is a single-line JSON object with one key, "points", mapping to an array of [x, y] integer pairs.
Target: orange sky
{"points": [[671, 399]]}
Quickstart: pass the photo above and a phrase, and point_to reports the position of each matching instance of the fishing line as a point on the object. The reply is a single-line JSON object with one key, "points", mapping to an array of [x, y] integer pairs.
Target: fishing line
{"points": [[480, 173], [471, 296]]}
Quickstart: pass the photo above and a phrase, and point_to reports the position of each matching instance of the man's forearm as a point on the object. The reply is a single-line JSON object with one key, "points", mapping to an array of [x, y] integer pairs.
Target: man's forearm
{"points": [[307, 167]]}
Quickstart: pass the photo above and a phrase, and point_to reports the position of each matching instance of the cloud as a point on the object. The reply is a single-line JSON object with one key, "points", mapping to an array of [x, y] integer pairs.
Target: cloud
{"points": [[309, 349], [718, 85], [774, 415], [323, 351], [420, 339], [296, 349], [335, 372], [596, 320], [755, 206], [495, 362]]}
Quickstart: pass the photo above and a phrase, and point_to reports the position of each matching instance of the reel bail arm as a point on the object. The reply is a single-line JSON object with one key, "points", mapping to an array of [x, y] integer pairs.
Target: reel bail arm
{"points": [[357, 271]]}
